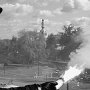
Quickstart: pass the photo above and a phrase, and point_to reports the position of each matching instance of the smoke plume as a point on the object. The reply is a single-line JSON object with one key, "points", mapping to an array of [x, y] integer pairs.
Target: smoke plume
{"points": [[82, 55]]}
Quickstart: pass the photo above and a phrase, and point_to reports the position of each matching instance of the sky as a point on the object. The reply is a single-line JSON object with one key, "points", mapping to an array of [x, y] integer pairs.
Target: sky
{"points": [[20, 15]]}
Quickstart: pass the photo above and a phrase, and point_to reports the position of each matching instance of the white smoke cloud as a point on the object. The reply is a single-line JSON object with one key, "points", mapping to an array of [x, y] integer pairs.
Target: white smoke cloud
{"points": [[82, 54]]}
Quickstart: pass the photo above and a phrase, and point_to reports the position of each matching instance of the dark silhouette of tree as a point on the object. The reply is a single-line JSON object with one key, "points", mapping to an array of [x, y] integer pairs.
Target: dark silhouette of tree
{"points": [[51, 41], [51, 47], [33, 46], [70, 41]]}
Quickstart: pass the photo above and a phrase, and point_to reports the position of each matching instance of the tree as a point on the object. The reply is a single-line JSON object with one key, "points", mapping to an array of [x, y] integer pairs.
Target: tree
{"points": [[51, 47], [69, 41], [51, 41], [32, 46]]}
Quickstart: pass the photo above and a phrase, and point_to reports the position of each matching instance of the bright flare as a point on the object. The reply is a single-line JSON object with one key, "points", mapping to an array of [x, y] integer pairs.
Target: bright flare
{"points": [[60, 83], [71, 73]]}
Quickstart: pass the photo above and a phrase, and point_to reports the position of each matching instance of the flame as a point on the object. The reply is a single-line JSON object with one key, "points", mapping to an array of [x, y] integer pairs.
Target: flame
{"points": [[71, 73], [60, 83]]}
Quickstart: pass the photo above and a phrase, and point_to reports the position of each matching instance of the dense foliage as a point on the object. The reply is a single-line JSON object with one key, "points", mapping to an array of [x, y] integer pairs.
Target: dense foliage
{"points": [[31, 46]]}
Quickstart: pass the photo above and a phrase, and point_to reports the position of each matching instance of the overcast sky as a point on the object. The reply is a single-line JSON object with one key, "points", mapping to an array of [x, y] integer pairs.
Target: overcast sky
{"points": [[27, 14]]}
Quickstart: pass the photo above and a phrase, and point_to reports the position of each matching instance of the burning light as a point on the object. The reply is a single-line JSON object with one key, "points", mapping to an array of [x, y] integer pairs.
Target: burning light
{"points": [[60, 83], [69, 74]]}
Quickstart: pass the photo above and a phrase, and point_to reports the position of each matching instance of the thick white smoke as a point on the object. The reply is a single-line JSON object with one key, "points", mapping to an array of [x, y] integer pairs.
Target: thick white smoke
{"points": [[82, 54]]}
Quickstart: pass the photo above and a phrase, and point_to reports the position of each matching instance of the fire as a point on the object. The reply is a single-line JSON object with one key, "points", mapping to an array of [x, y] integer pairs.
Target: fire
{"points": [[71, 73], [60, 83]]}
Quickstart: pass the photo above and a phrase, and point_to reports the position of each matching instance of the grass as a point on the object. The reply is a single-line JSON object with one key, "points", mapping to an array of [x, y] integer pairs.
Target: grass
{"points": [[21, 74], [25, 75]]}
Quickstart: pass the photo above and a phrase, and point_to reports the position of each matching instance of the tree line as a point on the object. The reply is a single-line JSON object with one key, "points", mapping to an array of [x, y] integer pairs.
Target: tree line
{"points": [[32, 46]]}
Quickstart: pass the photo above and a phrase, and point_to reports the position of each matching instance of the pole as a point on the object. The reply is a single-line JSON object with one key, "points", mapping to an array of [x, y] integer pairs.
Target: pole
{"points": [[4, 69], [42, 31], [42, 27], [38, 62], [67, 86], [42, 24], [38, 66]]}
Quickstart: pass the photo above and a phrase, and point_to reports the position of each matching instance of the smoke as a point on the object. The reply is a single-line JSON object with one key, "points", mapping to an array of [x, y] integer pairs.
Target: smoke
{"points": [[82, 55]]}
